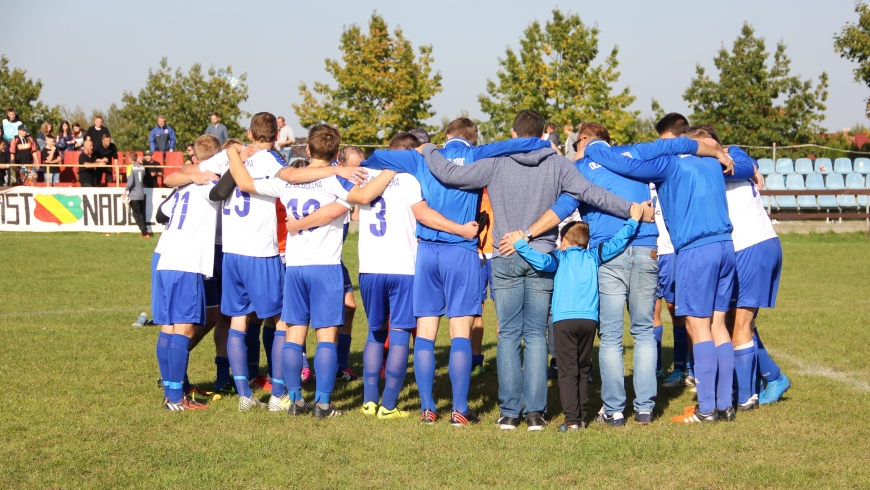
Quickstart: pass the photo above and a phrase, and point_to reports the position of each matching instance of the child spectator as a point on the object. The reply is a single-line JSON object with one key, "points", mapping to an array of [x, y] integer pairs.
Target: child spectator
{"points": [[65, 139], [4, 163], [24, 152], [135, 190], [575, 304], [78, 137], [51, 156], [45, 131]]}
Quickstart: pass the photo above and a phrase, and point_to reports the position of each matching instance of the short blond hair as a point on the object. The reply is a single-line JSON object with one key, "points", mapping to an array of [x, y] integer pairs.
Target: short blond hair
{"points": [[206, 146]]}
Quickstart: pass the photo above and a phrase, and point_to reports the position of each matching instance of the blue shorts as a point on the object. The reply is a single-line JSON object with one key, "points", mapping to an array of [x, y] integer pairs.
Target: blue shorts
{"points": [[666, 277], [447, 279], [485, 279], [213, 284], [704, 279], [757, 280], [251, 285], [388, 297], [314, 294], [348, 285], [177, 297]]}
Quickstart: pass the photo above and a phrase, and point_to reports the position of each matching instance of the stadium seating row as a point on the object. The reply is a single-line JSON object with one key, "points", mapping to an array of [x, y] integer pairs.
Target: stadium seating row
{"points": [[805, 166], [815, 181], [69, 169]]}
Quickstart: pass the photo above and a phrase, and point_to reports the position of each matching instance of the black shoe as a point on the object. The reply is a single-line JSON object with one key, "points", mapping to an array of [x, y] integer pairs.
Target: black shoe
{"points": [[553, 372], [296, 409], [507, 423], [572, 427], [468, 418], [728, 415], [643, 418], [535, 421], [326, 412], [752, 404], [615, 420]]}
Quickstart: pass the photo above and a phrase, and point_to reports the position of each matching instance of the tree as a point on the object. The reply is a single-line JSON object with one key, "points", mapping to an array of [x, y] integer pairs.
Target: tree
{"points": [[185, 99], [753, 104], [553, 75], [22, 94], [381, 89], [853, 44]]}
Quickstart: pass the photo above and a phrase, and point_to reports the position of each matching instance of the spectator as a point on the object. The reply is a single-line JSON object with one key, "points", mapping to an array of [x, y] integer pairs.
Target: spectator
{"points": [[65, 140], [191, 156], [217, 128], [286, 138], [105, 155], [96, 132], [45, 131], [570, 139], [87, 170], [10, 128], [24, 152], [78, 137], [149, 180], [551, 134], [51, 156], [135, 190], [4, 163], [162, 137]]}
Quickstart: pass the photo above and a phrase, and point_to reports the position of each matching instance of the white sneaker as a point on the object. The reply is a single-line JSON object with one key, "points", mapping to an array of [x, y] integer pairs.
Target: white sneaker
{"points": [[249, 403]]}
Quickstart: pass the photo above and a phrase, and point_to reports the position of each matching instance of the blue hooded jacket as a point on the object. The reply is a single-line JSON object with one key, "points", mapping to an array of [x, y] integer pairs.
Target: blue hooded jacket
{"points": [[162, 139]]}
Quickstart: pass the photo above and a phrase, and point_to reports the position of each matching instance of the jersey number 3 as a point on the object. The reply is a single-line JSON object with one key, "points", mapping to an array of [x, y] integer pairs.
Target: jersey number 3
{"points": [[379, 229]]}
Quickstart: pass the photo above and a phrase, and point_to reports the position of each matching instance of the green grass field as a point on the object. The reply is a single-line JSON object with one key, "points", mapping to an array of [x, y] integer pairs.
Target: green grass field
{"points": [[80, 406]]}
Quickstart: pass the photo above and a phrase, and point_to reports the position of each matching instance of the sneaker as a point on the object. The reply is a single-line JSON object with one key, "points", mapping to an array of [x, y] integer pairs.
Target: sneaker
{"points": [[326, 412], [189, 403], [692, 414], [615, 420], [306, 374], [676, 379], [346, 375], [660, 374], [369, 408], [279, 403], [751, 404], [535, 421], [507, 423], [429, 417], [249, 403], [553, 372], [774, 390], [395, 413], [643, 418], [194, 390], [228, 389], [299, 407], [572, 427], [261, 382], [468, 418], [173, 407], [728, 415], [478, 370]]}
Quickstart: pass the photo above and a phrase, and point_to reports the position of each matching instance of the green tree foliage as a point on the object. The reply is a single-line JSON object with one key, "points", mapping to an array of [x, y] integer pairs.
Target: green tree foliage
{"points": [[185, 99], [753, 104], [381, 89], [853, 44], [22, 94], [553, 74]]}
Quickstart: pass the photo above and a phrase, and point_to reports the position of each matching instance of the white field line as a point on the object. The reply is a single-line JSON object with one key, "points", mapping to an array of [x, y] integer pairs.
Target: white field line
{"points": [[131, 309], [808, 368]]}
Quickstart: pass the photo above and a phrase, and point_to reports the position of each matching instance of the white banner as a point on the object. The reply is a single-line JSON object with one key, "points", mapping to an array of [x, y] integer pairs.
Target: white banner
{"points": [[97, 209]]}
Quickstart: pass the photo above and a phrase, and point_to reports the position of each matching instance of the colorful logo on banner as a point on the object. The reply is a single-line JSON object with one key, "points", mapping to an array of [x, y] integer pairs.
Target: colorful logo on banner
{"points": [[58, 208]]}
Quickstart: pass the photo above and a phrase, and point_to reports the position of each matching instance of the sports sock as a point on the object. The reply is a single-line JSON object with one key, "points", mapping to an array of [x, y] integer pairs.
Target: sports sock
{"points": [[268, 342], [725, 378], [424, 371], [305, 356], [178, 356], [343, 350], [705, 373], [460, 372], [325, 367], [163, 341], [276, 371], [185, 384], [681, 348], [690, 362], [769, 370], [291, 359], [237, 352], [657, 333], [397, 367], [476, 360], [744, 360], [252, 342], [223, 372], [373, 359]]}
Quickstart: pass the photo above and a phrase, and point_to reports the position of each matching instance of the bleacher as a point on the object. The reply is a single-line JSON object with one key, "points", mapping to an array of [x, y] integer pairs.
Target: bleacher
{"points": [[69, 169], [804, 175]]}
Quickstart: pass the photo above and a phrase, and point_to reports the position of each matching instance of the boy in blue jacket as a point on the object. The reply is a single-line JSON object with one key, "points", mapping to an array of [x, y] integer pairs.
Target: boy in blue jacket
{"points": [[575, 304]]}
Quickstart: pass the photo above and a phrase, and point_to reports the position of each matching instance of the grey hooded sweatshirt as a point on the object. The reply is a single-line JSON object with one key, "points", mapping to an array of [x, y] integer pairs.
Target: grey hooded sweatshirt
{"points": [[523, 187]]}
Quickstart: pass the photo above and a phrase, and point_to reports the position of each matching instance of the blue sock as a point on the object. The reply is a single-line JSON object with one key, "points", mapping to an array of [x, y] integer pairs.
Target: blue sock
{"points": [[268, 343], [769, 369], [689, 363], [178, 356], [223, 372], [291, 359], [681, 348], [424, 371], [252, 342], [325, 367], [163, 341], [725, 378], [373, 360], [397, 367], [305, 357], [460, 372], [237, 352], [706, 365], [185, 384], [343, 350], [476, 360], [657, 333], [744, 361], [276, 371]]}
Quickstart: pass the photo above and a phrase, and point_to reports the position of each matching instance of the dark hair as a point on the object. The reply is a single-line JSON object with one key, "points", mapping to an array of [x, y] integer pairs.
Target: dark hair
{"points": [[206, 146], [346, 152], [404, 141], [551, 126], [300, 163], [528, 123], [594, 131], [68, 127], [463, 127], [421, 134], [213, 113], [323, 141], [673, 123], [704, 131], [576, 232], [264, 127]]}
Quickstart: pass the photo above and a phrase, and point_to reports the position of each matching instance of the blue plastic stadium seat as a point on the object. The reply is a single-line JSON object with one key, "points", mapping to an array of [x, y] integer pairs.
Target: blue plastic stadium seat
{"points": [[843, 166], [853, 181], [774, 182], [862, 166], [803, 166], [835, 182], [824, 166], [766, 201], [784, 166], [765, 166], [792, 182], [816, 182], [862, 200], [796, 182]]}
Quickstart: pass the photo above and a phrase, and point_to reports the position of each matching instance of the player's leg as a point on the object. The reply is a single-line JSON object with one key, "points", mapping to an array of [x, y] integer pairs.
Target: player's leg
{"points": [[345, 332], [642, 299], [721, 337], [296, 315], [279, 400], [186, 309], [613, 287], [325, 367], [236, 304], [429, 305], [667, 289], [160, 299], [401, 321], [477, 327], [376, 303], [744, 358], [252, 343], [326, 287]]}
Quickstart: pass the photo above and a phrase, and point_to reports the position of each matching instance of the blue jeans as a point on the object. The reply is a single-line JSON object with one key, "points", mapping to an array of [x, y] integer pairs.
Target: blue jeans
{"points": [[522, 303], [53, 179], [630, 277], [286, 152]]}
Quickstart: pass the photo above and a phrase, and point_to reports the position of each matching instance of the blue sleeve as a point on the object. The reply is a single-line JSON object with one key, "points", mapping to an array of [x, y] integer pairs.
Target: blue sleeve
{"points": [[658, 148], [171, 139], [346, 184], [403, 161], [151, 140], [655, 170], [744, 165], [508, 147], [539, 261], [617, 244], [564, 206]]}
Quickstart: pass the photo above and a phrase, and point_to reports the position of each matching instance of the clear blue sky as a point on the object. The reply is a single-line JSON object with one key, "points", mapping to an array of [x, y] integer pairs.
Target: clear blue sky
{"points": [[280, 43]]}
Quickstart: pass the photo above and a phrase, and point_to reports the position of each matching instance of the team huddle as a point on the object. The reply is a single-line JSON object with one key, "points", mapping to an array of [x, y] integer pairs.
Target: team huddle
{"points": [[254, 245]]}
